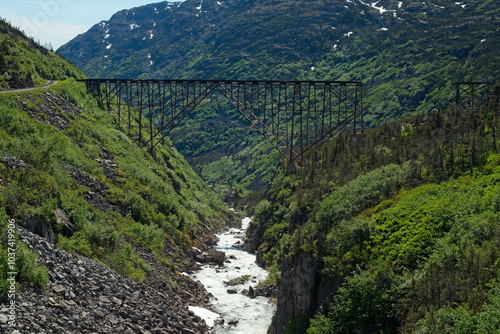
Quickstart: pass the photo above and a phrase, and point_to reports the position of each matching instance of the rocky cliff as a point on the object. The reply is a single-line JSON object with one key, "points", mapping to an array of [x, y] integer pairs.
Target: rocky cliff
{"points": [[296, 292]]}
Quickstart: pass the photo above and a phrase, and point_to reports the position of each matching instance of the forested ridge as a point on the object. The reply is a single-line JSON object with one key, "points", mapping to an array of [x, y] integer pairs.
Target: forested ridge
{"points": [[396, 231]]}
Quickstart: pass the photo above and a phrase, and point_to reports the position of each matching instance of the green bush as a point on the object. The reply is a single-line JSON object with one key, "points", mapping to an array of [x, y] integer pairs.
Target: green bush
{"points": [[461, 320], [29, 270], [449, 320], [126, 262], [366, 302], [151, 236], [366, 190], [78, 243], [261, 209], [26, 266]]}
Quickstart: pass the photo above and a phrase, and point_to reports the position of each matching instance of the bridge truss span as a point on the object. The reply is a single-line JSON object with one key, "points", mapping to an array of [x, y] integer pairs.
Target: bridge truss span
{"points": [[293, 116]]}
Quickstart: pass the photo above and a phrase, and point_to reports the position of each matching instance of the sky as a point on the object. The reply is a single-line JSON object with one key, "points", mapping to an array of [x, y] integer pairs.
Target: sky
{"points": [[56, 22]]}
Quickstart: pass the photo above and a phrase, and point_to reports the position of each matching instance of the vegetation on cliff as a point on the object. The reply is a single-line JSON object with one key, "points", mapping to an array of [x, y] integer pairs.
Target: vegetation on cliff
{"points": [[24, 63], [402, 224]]}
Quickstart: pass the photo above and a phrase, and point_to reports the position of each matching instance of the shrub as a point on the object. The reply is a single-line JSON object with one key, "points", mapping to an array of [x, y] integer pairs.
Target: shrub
{"points": [[367, 302], [26, 266]]}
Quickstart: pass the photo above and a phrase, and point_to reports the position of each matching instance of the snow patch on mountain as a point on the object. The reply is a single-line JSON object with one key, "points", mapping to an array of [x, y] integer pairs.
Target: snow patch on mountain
{"points": [[200, 6], [381, 9]]}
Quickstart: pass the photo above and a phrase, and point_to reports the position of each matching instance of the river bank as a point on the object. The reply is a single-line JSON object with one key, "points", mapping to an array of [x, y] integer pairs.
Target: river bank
{"points": [[85, 296]]}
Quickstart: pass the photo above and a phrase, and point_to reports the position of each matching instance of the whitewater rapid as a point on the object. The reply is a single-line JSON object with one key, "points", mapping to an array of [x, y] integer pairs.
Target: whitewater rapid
{"points": [[241, 314]]}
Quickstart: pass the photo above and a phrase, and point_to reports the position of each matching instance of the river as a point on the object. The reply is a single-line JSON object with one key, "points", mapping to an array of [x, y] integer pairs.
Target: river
{"points": [[241, 314]]}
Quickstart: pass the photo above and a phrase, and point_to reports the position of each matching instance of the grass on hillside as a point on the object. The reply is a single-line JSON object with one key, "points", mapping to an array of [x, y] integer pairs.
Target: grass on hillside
{"points": [[150, 202]]}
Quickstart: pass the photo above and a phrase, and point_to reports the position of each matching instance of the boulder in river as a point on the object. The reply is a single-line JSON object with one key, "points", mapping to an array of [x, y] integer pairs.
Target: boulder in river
{"points": [[233, 322], [238, 280], [217, 257], [251, 292]]}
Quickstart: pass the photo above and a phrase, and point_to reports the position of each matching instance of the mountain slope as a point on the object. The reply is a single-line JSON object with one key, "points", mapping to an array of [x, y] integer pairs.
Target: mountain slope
{"points": [[407, 53], [69, 174], [264, 39], [24, 63], [204, 40], [396, 232]]}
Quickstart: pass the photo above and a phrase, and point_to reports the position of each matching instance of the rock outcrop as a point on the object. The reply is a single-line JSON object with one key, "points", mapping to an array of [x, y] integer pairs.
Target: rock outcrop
{"points": [[296, 293], [255, 237], [215, 257], [55, 110], [12, 162]]}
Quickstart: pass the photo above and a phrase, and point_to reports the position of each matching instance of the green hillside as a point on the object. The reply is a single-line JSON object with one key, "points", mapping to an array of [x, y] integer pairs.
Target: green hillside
{"points": [[24, 63], [68, 173], [394, 232]]}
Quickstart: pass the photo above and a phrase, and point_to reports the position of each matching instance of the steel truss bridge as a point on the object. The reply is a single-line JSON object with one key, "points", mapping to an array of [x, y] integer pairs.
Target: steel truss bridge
{"points": [[293, 116]]}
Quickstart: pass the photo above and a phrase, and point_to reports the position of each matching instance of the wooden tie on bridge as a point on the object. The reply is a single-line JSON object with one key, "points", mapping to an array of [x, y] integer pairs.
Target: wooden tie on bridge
{"points": [[293, 116]]}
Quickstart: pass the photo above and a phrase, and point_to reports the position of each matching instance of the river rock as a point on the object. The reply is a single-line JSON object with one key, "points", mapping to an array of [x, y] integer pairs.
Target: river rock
{"points": [[233, 322], [251, 292], [238, 245], [211, 241], [217, 257], [238, 280]]}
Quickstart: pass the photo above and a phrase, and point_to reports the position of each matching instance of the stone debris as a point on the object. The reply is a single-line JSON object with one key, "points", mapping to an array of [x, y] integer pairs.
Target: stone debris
{"points": [[13, 162], [97, 188], [85, 296], [109, 167], [54, 110], [89, 181]]}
